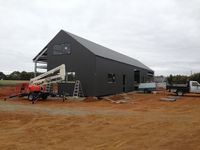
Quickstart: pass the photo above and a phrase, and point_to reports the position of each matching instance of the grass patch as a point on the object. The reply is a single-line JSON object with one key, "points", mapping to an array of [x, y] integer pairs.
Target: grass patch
{"points": [[11, 82]]}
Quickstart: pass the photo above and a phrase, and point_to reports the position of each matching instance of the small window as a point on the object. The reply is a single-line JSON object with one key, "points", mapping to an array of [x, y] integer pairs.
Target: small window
{"points": [[62, 49], [71, 76], [195, 84], [111, 78]]}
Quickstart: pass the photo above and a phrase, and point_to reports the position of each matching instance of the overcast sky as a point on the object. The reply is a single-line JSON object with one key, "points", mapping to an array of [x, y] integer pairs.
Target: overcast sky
{"points": [[163, 34]]}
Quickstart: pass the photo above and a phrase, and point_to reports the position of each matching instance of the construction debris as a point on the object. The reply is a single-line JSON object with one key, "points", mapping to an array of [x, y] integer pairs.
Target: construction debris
{"points": [[170, 98], [117, 99]]}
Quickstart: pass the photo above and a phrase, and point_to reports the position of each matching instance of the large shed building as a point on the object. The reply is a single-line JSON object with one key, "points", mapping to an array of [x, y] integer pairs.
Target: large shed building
{"points": [[101, 71]]}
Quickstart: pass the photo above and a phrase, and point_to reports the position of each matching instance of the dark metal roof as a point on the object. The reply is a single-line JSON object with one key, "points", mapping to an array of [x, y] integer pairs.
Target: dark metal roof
{"points": [[102, 51], [41, 56], [98, 50]]}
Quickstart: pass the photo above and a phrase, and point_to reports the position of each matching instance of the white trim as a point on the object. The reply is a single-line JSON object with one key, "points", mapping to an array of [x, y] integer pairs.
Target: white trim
{"points": [[40, 55]]}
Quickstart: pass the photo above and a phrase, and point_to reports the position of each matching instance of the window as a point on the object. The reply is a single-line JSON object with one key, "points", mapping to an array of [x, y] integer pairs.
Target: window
{"points": [[62, 49], [195, 84], [111, 78], [71, 76]]}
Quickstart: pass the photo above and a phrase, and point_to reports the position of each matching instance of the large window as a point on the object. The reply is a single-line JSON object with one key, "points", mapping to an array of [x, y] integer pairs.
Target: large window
{"points": [[62, 49], [195, 84], [71, 76], [111, 78]]}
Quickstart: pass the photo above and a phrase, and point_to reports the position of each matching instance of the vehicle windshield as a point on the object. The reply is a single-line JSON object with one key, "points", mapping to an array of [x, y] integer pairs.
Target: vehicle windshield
{"points": [[195, 83]]}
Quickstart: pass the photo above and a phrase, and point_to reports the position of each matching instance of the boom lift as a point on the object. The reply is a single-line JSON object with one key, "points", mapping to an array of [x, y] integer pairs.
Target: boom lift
{"points": [[40, 86]]}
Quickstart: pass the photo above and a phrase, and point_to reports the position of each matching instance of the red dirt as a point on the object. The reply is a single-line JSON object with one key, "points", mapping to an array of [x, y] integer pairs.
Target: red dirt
{"points": [[144, 122], [7, 91], [117, 97], [90, 99]]}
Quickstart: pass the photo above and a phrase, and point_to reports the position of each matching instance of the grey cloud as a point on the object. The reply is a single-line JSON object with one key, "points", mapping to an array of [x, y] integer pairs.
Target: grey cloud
{"points": [[164, 34]]}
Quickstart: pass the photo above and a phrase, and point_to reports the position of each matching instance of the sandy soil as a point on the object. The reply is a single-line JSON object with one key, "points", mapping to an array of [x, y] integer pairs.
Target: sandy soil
{"points": [[144, 122]]}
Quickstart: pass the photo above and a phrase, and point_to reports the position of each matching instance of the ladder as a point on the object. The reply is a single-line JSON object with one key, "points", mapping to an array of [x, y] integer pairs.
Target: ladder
{"points": [[78, 92], [49, 88]]}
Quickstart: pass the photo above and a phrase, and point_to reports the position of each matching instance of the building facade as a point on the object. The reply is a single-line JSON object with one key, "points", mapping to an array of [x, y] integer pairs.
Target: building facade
{"points": [[101, 71]]}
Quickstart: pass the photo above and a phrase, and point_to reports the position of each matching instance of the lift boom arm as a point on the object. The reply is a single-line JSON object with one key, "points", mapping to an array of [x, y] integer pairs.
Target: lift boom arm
{"points": [[55, 75]]}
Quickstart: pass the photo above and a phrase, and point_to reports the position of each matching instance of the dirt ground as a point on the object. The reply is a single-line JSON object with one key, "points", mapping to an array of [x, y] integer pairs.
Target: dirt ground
{"points": [[143, 122]]}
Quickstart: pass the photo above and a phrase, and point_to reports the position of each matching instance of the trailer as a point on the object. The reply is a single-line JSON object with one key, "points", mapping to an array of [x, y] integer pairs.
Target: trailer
{"points": [[181, 89], [147, 87], [152, 86]]}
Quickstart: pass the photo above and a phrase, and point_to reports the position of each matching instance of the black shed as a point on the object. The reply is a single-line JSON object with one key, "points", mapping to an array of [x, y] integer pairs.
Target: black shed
{"points": [[101, 71]]}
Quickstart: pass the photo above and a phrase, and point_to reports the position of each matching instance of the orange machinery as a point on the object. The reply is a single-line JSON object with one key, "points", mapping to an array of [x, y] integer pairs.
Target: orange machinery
{"points": [[40, 86]]}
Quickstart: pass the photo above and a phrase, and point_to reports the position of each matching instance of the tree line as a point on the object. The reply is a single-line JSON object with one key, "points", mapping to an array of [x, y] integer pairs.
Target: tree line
{"points": [[16, 75], [171, 79], [182, 79]]}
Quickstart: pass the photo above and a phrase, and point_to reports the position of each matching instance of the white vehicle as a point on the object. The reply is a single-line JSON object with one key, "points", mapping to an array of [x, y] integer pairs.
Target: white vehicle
{"points": [[181, 89]]}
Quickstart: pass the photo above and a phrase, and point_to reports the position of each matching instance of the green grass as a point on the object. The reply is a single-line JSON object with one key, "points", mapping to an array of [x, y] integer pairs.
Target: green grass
{"points": [[10, 82]]}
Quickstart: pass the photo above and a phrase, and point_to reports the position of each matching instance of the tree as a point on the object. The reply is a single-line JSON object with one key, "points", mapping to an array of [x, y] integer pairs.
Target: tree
{"points": [[26, 75], [170, 79], [195, 77], [2, 76], [177, 79], [14, 76]]}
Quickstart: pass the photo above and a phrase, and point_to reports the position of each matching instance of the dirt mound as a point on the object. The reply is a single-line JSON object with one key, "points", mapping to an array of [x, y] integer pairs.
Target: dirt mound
{"points": [[117, 97], [90, 99]]}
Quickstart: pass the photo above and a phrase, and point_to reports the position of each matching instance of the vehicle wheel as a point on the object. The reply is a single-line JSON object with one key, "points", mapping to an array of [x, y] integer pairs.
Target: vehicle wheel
{"points": [[44, 96], [179, 93], [31, 96]]}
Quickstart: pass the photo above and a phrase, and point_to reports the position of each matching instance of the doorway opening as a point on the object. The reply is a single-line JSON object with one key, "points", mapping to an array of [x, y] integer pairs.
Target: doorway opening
{"points": [[136, 78], [124, 83]]}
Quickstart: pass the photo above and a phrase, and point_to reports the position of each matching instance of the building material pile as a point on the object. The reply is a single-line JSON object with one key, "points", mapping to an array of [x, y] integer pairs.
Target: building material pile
{"points": [[170, 98], [117, 99]]}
